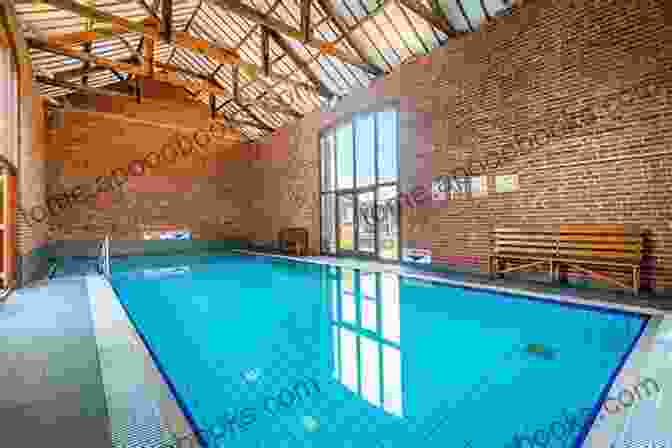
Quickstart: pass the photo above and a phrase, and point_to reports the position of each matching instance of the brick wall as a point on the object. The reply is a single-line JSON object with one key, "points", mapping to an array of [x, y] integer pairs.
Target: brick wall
{"points": [[206, 193], [590, 82]]}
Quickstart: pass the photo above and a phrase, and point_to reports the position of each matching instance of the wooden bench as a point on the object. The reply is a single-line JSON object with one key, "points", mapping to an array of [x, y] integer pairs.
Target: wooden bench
{"points": [[294, 241], [577, 246], [535, 245], [582, 246]]}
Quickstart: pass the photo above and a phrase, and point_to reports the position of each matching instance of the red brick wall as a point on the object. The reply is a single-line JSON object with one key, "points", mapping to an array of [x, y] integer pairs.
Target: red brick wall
{"points": [[206, 193], [595, 75]]}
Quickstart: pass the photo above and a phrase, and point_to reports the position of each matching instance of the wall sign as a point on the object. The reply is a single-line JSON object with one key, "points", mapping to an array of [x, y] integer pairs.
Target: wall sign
{"points": [[507, 183], [439, 189]]}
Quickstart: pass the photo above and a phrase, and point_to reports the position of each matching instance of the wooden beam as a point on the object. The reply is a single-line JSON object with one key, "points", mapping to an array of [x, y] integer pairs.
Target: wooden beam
{"points": [[87, 65], [78, 37], [149, 10], [265, 51], [193, 16], [76, 72], [240, 123], [288, 108], [439, 22], [306, 28], [303, 65], [78, 87], [118, 75], [213, 106], [255, 118], [277, 109], [281, 27], [236, 83], [197, 86], [186, 71], [182, 39], [148, 55], [167, 22], [69, 52], [122, 67], [342, 27]]}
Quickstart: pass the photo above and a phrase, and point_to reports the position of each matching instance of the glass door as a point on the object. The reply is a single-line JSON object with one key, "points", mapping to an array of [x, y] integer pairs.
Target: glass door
{"points": [[346, 224], [366, 224], [359, 185]]}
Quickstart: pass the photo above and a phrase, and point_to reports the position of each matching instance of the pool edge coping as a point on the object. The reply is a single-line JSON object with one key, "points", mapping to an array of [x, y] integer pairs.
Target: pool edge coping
{"points": [[395, 269], [161, 374]]}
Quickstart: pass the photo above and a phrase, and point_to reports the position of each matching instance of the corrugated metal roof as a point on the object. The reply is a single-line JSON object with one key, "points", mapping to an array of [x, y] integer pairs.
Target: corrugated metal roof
{"points": [[391, 32]]}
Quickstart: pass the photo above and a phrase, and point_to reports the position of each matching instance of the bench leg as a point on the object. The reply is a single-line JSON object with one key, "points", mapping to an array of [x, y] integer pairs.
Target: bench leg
{"points": [[557, 272], [635, 281]]}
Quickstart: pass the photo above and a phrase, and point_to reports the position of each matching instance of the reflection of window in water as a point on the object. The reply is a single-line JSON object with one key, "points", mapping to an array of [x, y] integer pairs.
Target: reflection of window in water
{"points": [[366, 334]]}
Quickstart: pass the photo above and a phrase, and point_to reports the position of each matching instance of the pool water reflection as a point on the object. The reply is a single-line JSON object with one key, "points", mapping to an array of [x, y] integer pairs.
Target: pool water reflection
{"points": [[463, 361]]}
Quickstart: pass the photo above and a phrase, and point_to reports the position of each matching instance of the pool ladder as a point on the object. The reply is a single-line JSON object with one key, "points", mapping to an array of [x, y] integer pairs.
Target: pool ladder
{"points": [[104, 257]]}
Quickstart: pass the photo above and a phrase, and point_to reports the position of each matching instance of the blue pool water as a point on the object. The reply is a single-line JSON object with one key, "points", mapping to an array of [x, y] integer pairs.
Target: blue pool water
{"points": [[266, 353]]}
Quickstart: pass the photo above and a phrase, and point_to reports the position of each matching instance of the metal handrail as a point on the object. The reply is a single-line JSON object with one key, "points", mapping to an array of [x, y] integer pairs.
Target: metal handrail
{"points": [[104, 257]]}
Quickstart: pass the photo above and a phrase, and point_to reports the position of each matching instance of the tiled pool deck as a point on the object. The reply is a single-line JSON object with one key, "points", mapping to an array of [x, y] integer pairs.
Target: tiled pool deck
{"points": [[75, 373]]}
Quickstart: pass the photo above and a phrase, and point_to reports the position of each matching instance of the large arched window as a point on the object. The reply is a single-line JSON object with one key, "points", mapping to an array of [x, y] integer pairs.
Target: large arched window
{"points": [[360, 184]]}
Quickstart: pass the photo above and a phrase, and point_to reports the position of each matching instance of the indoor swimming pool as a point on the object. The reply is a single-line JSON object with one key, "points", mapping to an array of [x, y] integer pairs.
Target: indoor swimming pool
{"points": [[266, 353]]}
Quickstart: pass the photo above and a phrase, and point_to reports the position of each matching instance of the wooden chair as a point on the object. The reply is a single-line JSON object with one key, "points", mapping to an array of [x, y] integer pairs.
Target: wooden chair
{"points": [[294, 241]]}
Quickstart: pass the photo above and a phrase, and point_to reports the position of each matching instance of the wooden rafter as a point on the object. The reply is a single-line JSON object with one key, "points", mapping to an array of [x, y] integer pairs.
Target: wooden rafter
{"points": [[438, 21], [342, 27], [182, 39], [69, 52], [254, 116], [303, 65], [236, 83], [285, 109], [76, 72], [148, 55], [167, 19], [87, 65], [259, 17], [147, 8], [79, 87], [240, 123], [265, 51], [306, 28], [250, 67], [135, 70]]}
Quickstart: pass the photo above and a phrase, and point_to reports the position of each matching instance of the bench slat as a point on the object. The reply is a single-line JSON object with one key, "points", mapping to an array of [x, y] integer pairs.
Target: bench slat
{"points": [[518, 236], [601, 238], [599, 229], [595, 261], [594, 254], [630, 247], [526, 243], [542, 229], [521, 250]]}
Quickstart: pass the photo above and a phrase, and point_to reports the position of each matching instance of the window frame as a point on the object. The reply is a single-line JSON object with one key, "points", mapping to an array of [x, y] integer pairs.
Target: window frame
{"points": [[351, 119]]}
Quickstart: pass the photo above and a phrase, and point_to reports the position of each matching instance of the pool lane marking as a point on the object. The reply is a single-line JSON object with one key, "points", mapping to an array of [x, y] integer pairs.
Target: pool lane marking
{"points": [[583, 435]]}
